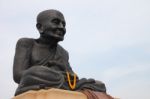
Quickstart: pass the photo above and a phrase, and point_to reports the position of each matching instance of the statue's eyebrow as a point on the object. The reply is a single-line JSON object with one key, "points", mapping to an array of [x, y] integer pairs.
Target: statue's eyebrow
{"points": [[59, 20], [56, 20]]}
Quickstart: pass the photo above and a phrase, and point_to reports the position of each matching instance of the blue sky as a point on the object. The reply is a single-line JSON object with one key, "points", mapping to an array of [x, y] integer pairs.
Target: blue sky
{"points": [[107, 40]]}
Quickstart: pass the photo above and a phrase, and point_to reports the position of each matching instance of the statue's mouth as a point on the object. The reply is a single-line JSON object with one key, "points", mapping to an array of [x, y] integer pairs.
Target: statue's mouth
{"points": [[59, 32], [56, 33]]}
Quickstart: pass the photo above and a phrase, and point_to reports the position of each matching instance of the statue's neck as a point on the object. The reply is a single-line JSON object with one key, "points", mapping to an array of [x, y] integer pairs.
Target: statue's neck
{"points": [[47, 41]]}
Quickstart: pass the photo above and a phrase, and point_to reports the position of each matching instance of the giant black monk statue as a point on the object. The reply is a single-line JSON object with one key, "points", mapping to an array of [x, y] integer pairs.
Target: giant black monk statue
{"points": [[42, 63]]}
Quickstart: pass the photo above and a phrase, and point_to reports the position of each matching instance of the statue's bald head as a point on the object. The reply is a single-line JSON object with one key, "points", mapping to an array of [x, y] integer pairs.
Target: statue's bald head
{"points": [[51, 23], [45, 15]]}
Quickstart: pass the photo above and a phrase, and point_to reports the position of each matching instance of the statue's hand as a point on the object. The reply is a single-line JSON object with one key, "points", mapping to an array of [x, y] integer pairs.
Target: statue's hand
{"points": [[51, 63]]}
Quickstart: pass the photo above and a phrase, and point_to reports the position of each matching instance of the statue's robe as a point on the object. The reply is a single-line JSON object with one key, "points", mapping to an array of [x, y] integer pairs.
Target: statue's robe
{"points": [[37, 67]]}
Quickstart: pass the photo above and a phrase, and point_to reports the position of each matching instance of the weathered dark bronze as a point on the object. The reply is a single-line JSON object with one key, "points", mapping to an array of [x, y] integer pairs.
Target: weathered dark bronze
{"points": [[42, 63]]}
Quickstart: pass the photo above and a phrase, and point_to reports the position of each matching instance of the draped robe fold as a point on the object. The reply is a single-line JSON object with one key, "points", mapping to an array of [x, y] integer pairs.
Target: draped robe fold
{"points": [[39, 67]]}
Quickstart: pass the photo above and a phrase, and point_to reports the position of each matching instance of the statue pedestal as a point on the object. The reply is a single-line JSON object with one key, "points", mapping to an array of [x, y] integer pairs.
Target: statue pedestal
{"points": [[51, 94]]}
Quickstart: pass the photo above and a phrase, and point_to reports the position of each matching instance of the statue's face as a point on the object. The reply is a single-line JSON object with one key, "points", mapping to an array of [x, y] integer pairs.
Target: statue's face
{"points": [[54, 26]]}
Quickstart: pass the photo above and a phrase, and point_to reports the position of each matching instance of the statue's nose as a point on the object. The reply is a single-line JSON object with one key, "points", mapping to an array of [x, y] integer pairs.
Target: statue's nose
{"points": [[61, 25]]}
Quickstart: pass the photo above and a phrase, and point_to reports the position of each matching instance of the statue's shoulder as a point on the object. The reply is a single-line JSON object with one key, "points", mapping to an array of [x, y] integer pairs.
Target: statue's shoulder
{"points": [[26, 42], [62, 50]]}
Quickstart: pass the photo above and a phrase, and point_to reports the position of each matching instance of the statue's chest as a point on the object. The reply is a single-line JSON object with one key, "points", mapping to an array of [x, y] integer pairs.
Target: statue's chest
{"points": [[40, 53]]}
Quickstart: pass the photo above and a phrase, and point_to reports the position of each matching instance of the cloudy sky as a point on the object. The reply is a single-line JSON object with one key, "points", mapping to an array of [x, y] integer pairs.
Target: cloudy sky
{"points": [[107, 40]]}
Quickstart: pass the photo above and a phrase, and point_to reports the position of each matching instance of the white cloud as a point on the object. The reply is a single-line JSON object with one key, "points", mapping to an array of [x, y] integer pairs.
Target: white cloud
{"points": [[133, 89], [118, 72]]}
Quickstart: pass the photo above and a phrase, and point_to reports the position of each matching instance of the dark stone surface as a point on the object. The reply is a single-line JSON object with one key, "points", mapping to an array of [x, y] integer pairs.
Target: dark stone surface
{"points": [[42, 63]]}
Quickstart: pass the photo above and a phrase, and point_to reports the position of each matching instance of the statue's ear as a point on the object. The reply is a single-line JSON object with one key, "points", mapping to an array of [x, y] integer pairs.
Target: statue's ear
{"points": [[39, 27]]}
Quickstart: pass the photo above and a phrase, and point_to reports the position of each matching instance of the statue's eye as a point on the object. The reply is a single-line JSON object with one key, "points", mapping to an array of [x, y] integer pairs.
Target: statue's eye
{"points": [[56, 21]]}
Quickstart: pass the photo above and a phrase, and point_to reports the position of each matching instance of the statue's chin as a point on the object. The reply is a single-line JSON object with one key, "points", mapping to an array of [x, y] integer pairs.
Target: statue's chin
{"points": [[59, 39]]}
